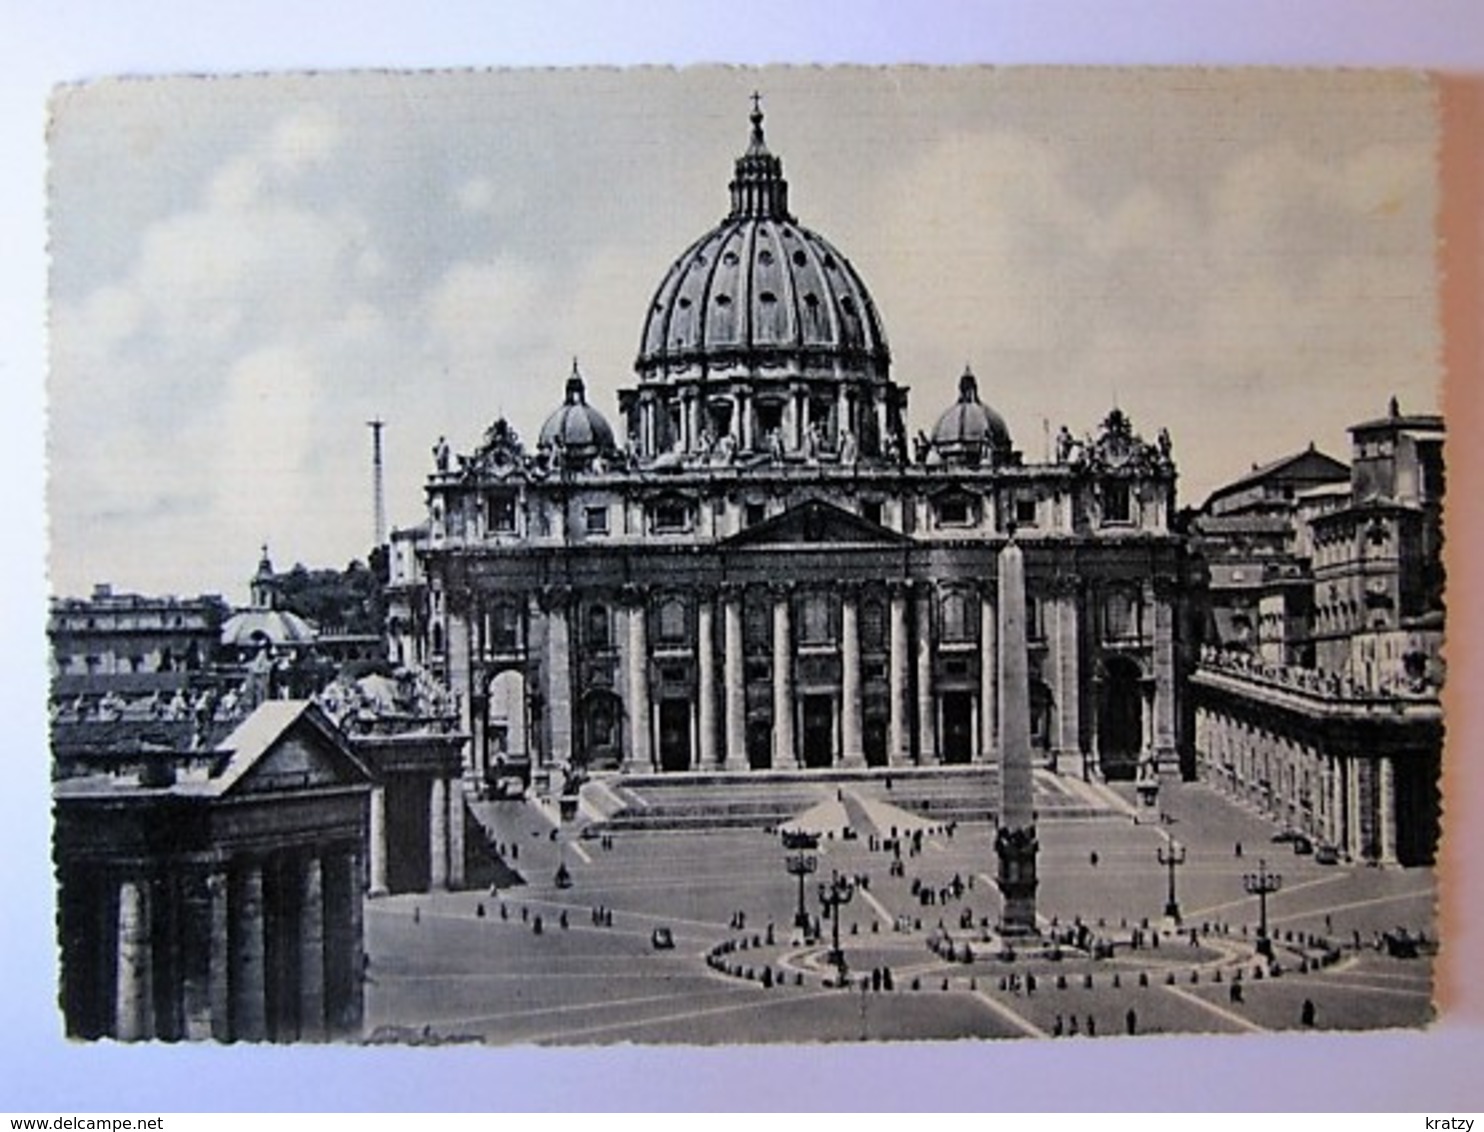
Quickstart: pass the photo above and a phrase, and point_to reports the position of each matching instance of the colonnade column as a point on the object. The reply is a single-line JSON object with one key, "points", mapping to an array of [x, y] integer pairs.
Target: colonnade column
{"points": [[706, 674], [927, 734], [638, 684], [733, 675], [1353, 841], [989, 667], [1386, 809], [134, 998], [783, 694], [219, 961], [437, 834], [898, 743], [312, 953], [376, 846], [248, 979], [851, 704], [456, 833]]}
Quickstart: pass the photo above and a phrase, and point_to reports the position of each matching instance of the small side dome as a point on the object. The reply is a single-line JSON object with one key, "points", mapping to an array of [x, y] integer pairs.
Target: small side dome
{"points": [[576, 432], [970, 432]]}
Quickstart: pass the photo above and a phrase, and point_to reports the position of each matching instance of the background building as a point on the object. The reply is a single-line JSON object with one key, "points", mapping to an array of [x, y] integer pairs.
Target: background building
{"points": [[1329, 718]]}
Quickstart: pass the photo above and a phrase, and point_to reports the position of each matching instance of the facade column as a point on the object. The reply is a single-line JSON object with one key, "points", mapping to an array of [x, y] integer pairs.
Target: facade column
{"points": [[134, 997], [734, 677], [899, 742], [249, 1009], [312, 953], [706, 748], [437, 834], [744, 421], [1164, 751], [461, 670], [1332, 784], [851, 703], [559, 678], [638, 685], [1353, 842], [354, 1011], [376, 845], [1386, 809], [927, 712], [989, 668], [1066, 741], [783, 685]]}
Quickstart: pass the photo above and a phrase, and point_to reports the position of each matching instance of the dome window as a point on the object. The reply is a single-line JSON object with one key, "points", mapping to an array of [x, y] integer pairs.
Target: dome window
{"points": [[684, 304], [730, 259], [811, 300], [800, 258], [847, 304], [829, 263], [723, 300], [768, 297], [765, 257]]}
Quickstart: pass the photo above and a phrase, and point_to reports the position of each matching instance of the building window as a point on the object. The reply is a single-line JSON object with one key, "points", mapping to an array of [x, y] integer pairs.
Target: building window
{"points": [[502, 514], [672, 622], [598, 636], [1117, 506], [816, 626], [1025, 511], [958, 617], [669, 515], [871, 511], [597, 520], [506, 628], [755, 513], [955, 511], [873, 626], [1120, 616], [1035, 619]]}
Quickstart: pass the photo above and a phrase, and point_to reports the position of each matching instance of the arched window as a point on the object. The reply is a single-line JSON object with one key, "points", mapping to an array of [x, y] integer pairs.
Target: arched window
{"points": [[1120, 615], [957, 616], [816, 627], [672, 622]]}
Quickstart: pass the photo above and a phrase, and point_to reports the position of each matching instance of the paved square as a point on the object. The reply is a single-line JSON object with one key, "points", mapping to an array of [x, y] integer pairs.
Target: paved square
{"points": [[472, 965]]}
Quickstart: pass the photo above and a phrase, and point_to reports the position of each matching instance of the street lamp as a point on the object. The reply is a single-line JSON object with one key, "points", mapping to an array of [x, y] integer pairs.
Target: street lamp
{"points": [[1260, 884], [1171, 860], [801, 865], [832, 893]]}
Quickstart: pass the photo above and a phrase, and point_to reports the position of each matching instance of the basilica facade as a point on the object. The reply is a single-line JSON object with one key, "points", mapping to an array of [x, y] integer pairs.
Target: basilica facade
{"points": [[766, 571]]}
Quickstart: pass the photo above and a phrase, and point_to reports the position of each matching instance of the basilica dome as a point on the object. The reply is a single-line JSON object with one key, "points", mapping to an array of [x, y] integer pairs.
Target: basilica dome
{"points": [[761, 290], [970, 432], [576, 428]]}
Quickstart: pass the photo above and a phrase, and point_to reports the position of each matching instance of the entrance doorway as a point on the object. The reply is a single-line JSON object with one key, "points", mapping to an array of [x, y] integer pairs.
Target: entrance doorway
{"points": [[674, 735], [819, 731], [1121, 719], [759, 744], [873, 740], [958, 727]]}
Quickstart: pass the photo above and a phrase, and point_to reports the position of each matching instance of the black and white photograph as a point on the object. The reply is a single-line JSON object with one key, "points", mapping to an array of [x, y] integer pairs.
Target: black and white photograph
{"points": [[734, 556]]}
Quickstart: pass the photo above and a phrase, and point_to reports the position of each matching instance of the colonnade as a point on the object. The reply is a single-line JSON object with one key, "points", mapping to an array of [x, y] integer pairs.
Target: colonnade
{"points": [[281, 959]]}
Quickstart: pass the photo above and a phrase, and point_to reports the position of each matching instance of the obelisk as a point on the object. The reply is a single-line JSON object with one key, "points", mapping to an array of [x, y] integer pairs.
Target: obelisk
{"points": [[1015, 841]]}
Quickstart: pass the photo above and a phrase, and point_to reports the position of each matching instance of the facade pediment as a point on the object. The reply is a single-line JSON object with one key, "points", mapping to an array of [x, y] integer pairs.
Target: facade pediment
{"points": [[814, 522]]}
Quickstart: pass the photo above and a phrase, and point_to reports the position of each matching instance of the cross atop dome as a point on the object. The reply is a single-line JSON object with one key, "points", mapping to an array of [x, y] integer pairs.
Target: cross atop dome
{"points": [[758, 189]]}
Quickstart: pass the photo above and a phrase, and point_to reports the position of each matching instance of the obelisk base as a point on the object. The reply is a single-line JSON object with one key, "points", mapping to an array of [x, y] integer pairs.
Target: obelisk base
{"points": [[1017, 850]]}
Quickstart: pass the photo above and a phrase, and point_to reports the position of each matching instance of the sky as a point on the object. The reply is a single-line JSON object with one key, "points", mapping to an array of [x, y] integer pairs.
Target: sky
{"points": [[247, 270]]}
